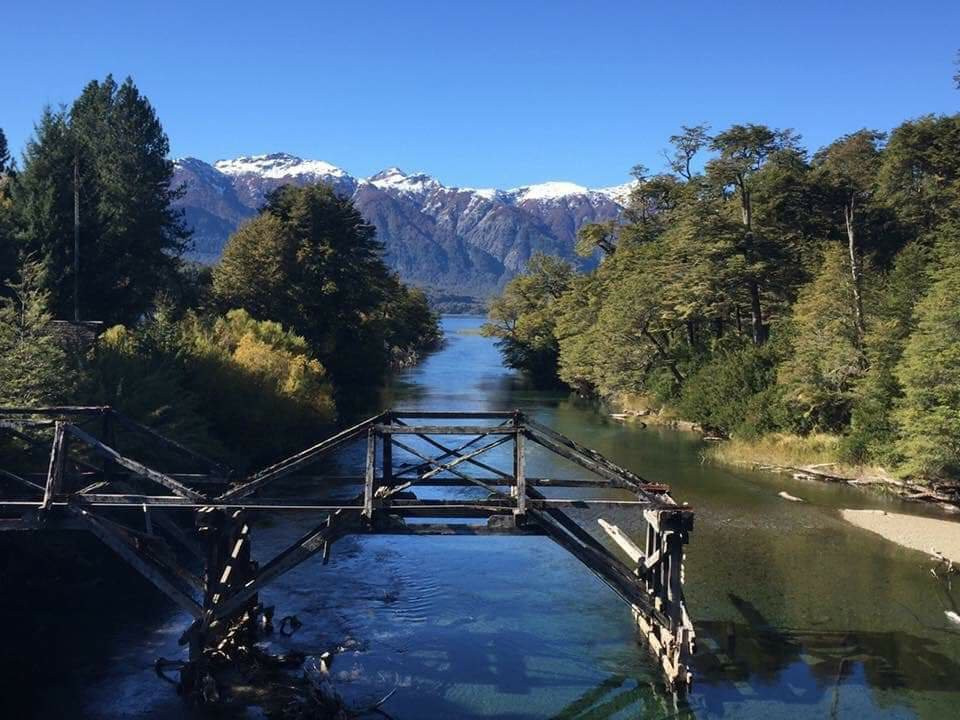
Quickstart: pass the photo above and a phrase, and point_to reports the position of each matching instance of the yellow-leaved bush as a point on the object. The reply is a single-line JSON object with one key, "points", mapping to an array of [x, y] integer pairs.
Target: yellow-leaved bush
{"points": [[246, 388]]}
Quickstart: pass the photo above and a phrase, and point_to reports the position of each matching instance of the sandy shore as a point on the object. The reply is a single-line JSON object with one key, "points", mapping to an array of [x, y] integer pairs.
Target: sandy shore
{"points": [[919, 533]]}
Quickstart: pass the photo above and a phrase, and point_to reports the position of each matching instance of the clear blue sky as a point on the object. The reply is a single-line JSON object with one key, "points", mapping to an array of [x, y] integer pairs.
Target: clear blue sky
{"points": [[483, 93]]}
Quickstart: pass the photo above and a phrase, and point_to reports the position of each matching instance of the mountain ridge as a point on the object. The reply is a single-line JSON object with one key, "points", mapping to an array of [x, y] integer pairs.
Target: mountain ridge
{"points": [[468, 241]]}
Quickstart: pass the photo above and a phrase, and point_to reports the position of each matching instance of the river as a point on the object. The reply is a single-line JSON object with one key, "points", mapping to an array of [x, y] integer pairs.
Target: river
{"points": [[798, 614]]}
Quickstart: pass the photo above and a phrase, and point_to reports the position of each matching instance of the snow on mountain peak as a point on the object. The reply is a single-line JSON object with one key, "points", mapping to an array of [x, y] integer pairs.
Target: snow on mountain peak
{"points": [[397, 180], [278, 166], [554, 190]]}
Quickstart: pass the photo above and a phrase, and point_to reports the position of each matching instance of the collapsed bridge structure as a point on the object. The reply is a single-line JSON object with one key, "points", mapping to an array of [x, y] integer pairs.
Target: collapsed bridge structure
{"points": [[187, 527]]}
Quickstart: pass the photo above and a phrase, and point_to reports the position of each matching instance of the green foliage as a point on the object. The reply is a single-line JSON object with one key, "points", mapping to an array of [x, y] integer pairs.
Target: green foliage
{"points": [[928, 414], [825, 361], [311, 262], [35, 369], [130, 237], [4, 153], [523, 317], [231, 384], [817, 263], [873, 430], [734, 392]]}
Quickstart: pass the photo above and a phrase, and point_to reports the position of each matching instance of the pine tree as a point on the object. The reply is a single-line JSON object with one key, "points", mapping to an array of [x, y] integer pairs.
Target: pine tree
{"points": [[4, 153], [130, 236], [35, 369], [928, 415]]}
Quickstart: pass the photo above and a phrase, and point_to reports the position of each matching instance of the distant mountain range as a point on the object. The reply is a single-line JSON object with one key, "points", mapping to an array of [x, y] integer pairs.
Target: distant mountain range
{"points": [[451, 241]]}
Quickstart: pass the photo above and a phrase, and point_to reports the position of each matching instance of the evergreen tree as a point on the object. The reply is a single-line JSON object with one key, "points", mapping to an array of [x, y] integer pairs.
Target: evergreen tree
{"points": [[928, 414], [130, 237], [311, 262], [35, 369], [4, 154]]}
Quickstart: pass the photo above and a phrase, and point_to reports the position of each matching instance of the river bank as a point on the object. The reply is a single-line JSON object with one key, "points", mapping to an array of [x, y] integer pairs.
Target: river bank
{"points": [[930, 535], [811, 457]]}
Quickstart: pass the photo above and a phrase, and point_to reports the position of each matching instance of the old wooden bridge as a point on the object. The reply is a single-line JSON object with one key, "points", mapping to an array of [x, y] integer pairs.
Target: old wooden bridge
{"points": [[184, 522]]}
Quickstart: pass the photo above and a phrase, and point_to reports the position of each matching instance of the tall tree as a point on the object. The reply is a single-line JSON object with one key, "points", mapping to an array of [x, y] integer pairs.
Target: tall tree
{"points": [[311, 262], [743, 151], [928, 414], [848, 168], [920, 173], [4, 153], [110, 149]]}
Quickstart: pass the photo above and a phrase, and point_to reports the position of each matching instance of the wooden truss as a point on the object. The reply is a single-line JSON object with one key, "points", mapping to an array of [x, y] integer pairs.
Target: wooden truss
{"points": [[138, 511]]}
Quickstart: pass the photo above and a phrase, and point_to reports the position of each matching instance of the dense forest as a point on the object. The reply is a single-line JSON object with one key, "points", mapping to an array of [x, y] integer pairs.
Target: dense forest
{"points": [[758, 289], [301, 314]]}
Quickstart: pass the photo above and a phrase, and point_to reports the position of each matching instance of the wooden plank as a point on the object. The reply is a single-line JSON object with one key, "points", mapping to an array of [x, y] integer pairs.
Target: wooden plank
{"points": [[450, 452], [133, 466], [132, 424], [455, 529], [312, 543], [490, 488], [295, 462], [453, 415], [55, 410], [369, 488], [519, 471], [600, 469], [55, 471], [131, 554], [615, 575], [23, 481], [444, 430], [622, 541], [443, 467]]}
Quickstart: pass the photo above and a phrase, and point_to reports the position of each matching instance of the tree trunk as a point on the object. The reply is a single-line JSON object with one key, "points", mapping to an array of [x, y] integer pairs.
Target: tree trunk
{"points": [[691, 333], [855, 270], [756, 313], [718, 326], [671, 365]]}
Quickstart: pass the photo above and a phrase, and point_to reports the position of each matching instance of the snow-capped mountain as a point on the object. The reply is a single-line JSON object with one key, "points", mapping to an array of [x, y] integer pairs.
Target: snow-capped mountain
{"points": [[468, 241]]}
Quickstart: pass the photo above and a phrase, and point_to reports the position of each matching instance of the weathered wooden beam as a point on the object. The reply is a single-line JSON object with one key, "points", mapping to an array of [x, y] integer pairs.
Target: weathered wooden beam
{"points": [[455, 529], [139, 427], [128, 550], [490, 488], [60, 411], [456, 452], [622, 541], [55, 472], [369, 484], [313, 542], [444, 430], [453, 415], [302, 459], [133, 466], [519, 471], [23, 481]]}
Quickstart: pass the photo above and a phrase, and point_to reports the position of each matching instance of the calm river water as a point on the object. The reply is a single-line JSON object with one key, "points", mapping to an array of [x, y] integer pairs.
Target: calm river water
{"points": [[798, 614]]}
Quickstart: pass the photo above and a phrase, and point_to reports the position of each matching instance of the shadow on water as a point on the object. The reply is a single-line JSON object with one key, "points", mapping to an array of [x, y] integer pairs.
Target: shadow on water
{"points": [[754, 660]]}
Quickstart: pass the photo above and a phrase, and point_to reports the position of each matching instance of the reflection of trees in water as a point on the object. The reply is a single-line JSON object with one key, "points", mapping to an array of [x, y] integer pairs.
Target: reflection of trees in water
{"points": [[756, 654]]}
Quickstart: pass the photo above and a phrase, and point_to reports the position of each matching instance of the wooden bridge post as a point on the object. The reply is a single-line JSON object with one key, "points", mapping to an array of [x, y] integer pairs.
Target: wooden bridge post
{"points": [[369, 485], [58, 459], [519, 489]]}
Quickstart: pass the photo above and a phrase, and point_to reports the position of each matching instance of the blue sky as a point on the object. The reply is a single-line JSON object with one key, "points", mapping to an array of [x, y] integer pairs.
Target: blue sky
{"points": [[483, 94]]}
